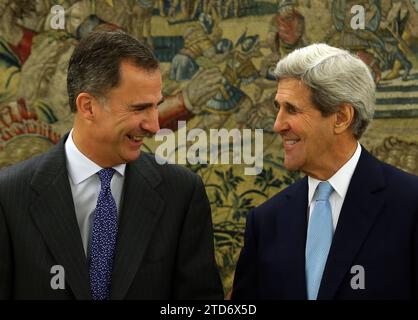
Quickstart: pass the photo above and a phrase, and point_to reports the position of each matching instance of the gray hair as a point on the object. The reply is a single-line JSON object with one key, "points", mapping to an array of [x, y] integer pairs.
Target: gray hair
{"points": [[335, 77]]}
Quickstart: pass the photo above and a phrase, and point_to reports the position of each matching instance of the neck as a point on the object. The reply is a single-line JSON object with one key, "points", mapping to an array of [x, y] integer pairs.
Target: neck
{"points": [[86, 145], [343, 150]]}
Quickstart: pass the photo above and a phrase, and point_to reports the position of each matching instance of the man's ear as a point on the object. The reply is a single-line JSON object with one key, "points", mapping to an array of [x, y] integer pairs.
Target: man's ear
{"points": [[84, 104], [343, 118]]}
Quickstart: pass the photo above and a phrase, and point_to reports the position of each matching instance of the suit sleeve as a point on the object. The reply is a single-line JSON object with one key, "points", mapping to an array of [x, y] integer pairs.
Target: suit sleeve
{"points": [[5, 260], [245, 280], [197, 275]]}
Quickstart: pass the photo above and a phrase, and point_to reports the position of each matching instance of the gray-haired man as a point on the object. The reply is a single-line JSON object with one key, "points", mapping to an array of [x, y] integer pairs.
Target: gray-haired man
{"points": [[348, 230]]}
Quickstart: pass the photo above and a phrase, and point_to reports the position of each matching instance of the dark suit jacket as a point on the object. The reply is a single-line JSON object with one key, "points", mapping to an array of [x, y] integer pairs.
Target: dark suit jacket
{"points": [[377, 229], [165, 240]]}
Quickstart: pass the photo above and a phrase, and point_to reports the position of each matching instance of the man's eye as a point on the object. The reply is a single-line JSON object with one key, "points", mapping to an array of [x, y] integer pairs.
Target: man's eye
{"points": [[291, 110], [138, 109], [276, 105]]}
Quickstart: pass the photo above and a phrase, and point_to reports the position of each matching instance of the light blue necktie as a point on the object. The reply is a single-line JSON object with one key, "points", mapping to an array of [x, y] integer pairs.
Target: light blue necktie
{"points": [[318, 243], [103, 239]]}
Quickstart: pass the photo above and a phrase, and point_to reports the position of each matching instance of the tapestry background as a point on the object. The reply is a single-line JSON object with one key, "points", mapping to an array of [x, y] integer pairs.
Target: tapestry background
{"points": [[217, 58]]}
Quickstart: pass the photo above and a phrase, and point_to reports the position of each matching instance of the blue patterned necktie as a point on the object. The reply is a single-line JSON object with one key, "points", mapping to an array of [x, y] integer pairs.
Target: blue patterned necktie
{"points": [[318, 243], [103, 239]]}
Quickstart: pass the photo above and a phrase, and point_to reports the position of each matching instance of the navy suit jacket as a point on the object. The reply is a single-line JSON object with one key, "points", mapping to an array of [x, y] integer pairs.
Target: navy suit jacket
{"points": [[377, 230]]}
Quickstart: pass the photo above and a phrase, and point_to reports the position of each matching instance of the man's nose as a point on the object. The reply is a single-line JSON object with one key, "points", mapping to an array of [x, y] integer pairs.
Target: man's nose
{"points": [[281, 124], [151, 123]]}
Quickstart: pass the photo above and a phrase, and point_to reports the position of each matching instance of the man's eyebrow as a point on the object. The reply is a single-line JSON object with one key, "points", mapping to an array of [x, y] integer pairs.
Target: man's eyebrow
{"points": [[290, 105], [145, 105], [286, 104]]}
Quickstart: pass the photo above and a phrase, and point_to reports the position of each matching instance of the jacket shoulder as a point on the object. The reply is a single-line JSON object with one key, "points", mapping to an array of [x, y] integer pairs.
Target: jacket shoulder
{"points": [[19, 172], [271, 206], [396, 173], [168, 171], [399, 180]]}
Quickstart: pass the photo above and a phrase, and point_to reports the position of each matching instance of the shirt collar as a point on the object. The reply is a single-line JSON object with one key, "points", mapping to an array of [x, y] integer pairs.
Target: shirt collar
{"points": [[79, 166], [340, 180]]}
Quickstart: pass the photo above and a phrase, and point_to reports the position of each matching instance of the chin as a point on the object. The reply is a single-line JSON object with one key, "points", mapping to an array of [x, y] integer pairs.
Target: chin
{"points": [[291, 168], [291, 165], [132, 156]]}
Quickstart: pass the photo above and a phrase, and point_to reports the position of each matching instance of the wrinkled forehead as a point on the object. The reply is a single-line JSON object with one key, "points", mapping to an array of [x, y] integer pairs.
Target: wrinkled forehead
{"points": [[292, 89]]}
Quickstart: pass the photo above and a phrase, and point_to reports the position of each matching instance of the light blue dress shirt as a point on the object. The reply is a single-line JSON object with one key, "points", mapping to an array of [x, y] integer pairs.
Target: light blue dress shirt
{"points": [[340, 182]]}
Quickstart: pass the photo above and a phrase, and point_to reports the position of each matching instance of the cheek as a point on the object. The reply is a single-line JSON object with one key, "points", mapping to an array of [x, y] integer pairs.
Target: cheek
{"points": [[131, 122], [123, 122], [327, 131], [306, 123], [302, 128]]}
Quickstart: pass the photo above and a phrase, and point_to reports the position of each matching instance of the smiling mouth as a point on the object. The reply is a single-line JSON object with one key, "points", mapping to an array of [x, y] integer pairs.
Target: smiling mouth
{"points": [[290, 142], [135, 138]]}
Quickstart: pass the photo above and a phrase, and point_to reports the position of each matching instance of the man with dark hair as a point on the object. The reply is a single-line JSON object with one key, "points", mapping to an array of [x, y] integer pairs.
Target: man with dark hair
{"points": [[95, 218]]}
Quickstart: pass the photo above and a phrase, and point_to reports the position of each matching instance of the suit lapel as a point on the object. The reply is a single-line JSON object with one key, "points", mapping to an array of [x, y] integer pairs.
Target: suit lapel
{"points": [[54, 215], [141, 209], [362, 205], [291, 226]]}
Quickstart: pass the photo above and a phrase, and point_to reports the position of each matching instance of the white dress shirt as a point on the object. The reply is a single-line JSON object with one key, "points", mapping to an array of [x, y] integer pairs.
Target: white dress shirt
{"points": [[340, 182], [85, 187]]}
